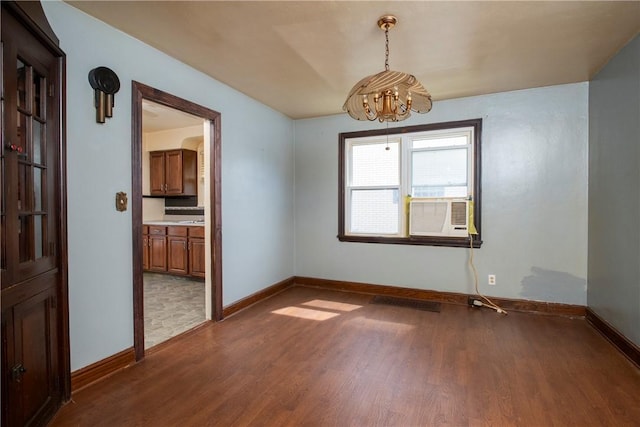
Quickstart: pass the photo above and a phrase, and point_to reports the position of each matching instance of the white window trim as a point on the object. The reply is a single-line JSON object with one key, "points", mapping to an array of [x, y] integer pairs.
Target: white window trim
{"points": [[349, 188]]}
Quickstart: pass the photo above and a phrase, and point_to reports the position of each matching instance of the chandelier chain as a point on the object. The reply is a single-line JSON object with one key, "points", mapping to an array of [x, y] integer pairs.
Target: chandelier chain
{"points": [[386, 48]]}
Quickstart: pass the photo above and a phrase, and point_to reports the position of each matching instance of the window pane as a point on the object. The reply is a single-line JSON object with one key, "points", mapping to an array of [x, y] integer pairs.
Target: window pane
{"points": [[38, 96], [440, 142], [22, 133], [23, 238], [37, 235], [374, 211], [23, 178], [37, 189], [373, 164], [439, 191], [22, 86], [37, 141], [441, 173]]}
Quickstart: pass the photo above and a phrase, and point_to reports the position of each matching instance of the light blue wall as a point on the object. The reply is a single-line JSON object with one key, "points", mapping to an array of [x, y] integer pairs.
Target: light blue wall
{"points": [[257, 182], [534, 175], [614, 192], [534, 201]]}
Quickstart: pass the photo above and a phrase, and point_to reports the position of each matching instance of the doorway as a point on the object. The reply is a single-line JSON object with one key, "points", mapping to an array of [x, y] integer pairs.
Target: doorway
{"points": [[174, 278], [143, 97]]}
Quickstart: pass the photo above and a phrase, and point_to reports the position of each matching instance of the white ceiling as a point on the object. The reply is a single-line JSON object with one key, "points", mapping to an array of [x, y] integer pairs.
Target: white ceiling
{"points": [[157, 117], [303, 57]]}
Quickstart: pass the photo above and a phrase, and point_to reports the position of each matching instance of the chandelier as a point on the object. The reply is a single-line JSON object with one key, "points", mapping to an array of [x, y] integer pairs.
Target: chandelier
{"points": [[389, 95]]}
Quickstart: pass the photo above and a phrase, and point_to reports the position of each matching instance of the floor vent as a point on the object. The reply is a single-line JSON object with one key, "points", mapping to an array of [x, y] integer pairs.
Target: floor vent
{"points": [[407, 302]]}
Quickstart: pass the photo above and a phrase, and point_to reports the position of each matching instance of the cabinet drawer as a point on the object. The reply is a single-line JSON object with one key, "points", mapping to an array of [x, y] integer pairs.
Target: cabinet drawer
{"points": [[157, 230], [145, 229], [177, 231], [196, 232]]}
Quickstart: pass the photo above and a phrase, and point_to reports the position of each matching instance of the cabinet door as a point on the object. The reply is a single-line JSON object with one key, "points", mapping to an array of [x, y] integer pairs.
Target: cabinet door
{"points": [[177, 255], [196, 257], [157, 253], [31, 359], [32, 232], [173, 172], [157, 173]]}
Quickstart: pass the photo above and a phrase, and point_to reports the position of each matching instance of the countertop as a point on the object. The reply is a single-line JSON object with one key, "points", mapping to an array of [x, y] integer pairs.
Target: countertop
{"points": [[190, 223]]}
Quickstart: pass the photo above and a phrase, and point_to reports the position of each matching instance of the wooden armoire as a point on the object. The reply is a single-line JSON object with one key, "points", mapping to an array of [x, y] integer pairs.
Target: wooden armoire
{"points": [[33, 251]]}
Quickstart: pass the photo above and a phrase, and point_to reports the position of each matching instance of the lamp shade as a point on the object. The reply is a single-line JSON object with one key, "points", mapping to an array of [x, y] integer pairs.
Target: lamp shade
{"points": [[403, 83]]}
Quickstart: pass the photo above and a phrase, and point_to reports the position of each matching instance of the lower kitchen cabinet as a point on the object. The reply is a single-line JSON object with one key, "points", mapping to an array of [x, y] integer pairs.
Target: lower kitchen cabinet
{"points": [[177, 253], [177, 250], [196, 252], [157, 242]]}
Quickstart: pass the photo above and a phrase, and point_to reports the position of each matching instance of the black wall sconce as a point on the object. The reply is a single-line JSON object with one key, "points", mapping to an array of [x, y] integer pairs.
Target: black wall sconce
{"points": [[105, 84]]}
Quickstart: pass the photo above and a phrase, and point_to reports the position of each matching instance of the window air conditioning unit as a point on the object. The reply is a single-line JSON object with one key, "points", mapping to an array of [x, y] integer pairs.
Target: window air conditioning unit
{"points": [[438, 217]]}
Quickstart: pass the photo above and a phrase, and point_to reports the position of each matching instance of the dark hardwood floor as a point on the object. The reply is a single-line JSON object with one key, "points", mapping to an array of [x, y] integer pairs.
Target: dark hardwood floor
{"points": [[322, 358]]}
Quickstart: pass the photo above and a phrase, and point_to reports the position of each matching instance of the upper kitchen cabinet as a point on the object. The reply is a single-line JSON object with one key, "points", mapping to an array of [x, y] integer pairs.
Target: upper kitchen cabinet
{"points": [[173, 173]]}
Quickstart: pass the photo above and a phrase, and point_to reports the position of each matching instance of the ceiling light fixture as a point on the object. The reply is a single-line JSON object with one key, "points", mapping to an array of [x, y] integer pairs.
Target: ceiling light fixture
{"points": [[389, 95]]}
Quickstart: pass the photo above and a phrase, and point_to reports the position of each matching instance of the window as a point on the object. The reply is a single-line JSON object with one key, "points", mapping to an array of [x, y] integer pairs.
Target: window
{"points": [[431, 167]]}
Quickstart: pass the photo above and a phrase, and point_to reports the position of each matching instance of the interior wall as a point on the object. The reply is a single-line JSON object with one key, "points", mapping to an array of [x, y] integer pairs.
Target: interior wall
{"points": [[534, 201], [152, 209], [614, 198], [257, 182]]}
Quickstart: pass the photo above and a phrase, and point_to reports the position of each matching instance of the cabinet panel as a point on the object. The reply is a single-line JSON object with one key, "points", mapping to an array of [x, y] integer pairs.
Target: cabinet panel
{"points": [[156, 169], [179, 230], [31, 362], [196, 257], [157, 230], [173, 172], [196, 232], [157, 253], [177, 255]]}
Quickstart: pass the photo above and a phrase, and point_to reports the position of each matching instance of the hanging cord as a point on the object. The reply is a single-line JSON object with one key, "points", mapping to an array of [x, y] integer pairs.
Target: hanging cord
{"points": [[387, 147], [488, 302]]}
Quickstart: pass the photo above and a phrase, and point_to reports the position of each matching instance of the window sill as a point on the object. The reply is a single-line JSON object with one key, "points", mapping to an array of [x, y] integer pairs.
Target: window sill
{"points": [[452, 242]]}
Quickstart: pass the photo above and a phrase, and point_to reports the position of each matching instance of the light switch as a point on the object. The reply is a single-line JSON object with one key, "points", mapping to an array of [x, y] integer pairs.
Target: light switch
{"points": [[121, 201]]}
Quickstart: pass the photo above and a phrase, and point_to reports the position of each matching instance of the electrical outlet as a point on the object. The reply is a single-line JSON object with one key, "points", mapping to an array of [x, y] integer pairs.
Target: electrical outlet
{"points": [[474, 301], [492, 279]]}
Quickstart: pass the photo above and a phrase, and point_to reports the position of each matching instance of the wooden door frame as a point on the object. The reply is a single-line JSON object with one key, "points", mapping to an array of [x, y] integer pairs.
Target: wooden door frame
{"points": [[140, 92]]}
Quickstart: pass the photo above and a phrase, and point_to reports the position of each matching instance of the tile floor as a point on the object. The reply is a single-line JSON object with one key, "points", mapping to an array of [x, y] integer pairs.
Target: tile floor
{"points": [[172, 305]]}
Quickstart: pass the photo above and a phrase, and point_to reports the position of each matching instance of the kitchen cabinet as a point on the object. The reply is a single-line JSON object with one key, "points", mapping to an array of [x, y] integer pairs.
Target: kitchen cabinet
{"points": [[174, 249], [177, 253], [196, 252], [34, 327], [173, 173], [157, 242]]}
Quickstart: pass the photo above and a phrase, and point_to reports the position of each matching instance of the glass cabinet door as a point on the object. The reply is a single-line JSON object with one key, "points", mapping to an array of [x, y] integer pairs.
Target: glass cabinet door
{"points": [[26, 172]]}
